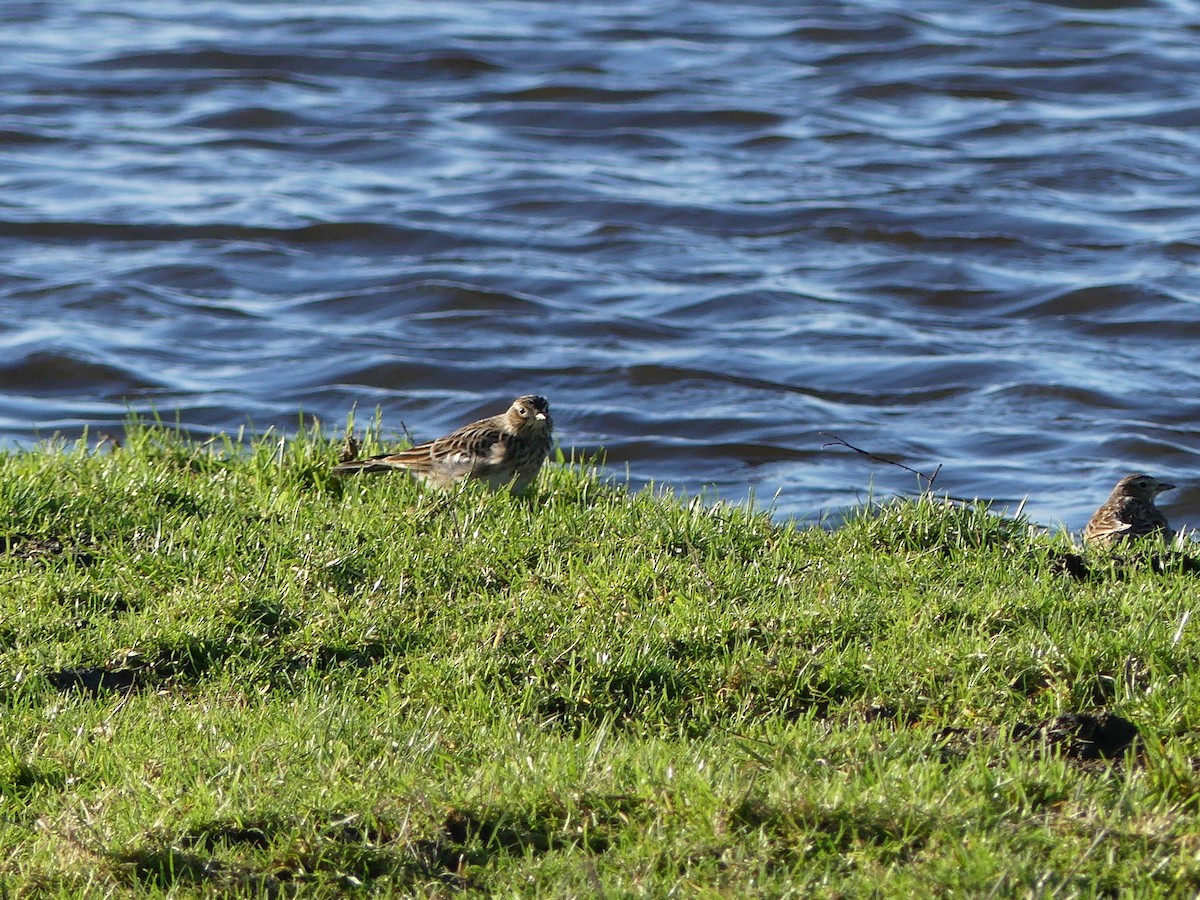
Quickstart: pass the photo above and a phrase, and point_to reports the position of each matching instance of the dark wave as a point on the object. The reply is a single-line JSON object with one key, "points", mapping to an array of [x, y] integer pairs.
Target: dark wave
{"points": [[362, 61], [251, 118], [55, 374], [356, 233]]}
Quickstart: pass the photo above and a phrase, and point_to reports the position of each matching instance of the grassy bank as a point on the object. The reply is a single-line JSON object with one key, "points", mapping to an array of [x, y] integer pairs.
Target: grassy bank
{"points": [[225, 672]]}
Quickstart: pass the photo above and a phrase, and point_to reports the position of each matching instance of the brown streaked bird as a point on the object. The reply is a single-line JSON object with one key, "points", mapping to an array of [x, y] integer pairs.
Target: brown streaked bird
{"points": [[1129, 512], [502, 450]]}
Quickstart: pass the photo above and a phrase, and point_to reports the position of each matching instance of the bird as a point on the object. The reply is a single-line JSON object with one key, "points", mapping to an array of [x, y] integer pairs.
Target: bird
{"points": [[1129, 512], [502, 450]]}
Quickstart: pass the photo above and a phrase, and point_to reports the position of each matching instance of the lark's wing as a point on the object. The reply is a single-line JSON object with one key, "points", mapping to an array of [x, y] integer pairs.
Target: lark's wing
{"points": [[1104, 525], [477, 450], [1126, 517]]}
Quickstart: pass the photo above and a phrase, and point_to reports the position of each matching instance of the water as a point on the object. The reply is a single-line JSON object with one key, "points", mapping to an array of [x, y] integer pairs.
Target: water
{"points": [[951, 233]]}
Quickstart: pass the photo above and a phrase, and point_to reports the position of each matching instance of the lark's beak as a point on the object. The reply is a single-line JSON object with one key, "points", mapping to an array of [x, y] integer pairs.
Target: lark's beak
{"points": [[542, 416], [1164, 487]]}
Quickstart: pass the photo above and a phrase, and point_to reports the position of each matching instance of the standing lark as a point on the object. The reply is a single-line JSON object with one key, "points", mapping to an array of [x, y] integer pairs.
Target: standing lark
{"points": [[1129, 512], [501, 450]]}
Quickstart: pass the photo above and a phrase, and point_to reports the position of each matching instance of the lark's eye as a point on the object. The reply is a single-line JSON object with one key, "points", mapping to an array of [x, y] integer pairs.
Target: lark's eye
{"points": [[524, 411]]}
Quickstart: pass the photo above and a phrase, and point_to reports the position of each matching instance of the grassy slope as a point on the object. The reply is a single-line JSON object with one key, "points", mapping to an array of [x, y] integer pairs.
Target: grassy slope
{"points": [[356, 687]]}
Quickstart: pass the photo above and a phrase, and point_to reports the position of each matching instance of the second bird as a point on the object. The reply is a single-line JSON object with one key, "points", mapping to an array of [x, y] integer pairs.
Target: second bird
{"points": [[501, 450], [1129, 512]]}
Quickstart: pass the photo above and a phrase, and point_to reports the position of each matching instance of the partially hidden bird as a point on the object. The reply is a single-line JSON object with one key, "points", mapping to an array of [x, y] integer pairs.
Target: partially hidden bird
{"points": [[1129, 512], [503, 450]]}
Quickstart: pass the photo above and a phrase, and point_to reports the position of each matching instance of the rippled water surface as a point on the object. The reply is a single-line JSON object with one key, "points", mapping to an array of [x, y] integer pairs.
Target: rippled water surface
{"points": [[954, 233]]}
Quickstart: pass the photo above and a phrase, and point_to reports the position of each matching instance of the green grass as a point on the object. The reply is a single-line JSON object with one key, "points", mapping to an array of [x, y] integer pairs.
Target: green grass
{"points": [[224, 672]]}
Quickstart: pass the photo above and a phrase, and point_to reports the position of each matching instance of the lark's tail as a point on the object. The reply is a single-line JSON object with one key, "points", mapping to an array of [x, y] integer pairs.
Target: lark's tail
{"points": [[415, 459]]}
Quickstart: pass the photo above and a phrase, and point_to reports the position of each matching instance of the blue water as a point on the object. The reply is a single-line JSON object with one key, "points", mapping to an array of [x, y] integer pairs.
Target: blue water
{"points": [[951, 233]]}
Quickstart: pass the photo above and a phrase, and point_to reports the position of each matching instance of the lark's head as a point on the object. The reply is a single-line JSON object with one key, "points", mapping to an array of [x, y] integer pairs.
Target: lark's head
{"points": [[529, 413], [1141, 486]]}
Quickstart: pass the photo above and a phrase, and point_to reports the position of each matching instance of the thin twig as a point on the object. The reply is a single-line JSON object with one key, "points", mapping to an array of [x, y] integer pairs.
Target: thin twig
{"points": [[408, 434], [837, 441]]}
